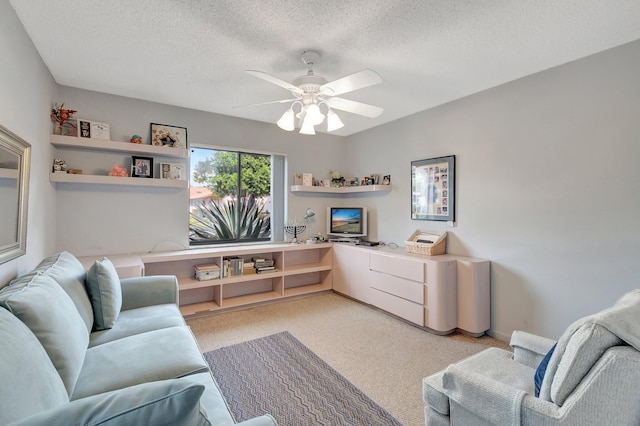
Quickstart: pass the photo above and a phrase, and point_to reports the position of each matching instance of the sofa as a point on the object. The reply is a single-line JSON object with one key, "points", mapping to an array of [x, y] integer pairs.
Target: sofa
{"points": [[86, 348], [590, 376]]}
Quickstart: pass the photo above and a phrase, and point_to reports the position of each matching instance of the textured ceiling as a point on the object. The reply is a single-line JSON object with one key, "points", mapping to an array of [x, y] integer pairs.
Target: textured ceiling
{"points": [[193, 53]]}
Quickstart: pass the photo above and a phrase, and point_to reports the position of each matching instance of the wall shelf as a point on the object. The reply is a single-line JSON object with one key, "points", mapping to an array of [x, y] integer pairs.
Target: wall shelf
{"points": [[113, 146], [115, 180], [341, 190]]}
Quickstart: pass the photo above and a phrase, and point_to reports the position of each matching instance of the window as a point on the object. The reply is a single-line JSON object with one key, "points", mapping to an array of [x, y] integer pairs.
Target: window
{"points": [[232, 195]]}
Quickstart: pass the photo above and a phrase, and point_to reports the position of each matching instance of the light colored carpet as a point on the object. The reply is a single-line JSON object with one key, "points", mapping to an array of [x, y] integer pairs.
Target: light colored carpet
{"points": [[383, 356]]}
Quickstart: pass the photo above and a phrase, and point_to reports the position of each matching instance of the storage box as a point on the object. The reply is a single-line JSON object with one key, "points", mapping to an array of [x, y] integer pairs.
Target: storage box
{"points": [[207, 272], [430, 243]]}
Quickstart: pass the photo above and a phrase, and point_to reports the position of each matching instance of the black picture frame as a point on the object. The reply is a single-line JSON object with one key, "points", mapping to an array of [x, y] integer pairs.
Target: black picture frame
{"points": [[433, 189], [141, 167]]}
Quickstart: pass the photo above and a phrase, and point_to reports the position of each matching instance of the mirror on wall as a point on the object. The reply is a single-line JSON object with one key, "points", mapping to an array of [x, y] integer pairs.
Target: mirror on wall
{"points": [[14, 185]]}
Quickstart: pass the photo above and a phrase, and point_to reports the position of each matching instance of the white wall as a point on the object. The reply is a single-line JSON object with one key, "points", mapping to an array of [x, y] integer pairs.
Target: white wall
{"points": [[27, 92], [95, 219], [548, 186]]}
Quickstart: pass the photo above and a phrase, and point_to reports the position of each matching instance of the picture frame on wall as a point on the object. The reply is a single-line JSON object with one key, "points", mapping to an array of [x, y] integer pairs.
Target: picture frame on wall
{"points": [[433, 189], [93, 130], [172, 171], [141, 167], [170, 136]]}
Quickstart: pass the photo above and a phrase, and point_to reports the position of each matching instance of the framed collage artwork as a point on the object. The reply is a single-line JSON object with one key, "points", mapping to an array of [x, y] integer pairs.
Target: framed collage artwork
{"points": [[433, 189]]}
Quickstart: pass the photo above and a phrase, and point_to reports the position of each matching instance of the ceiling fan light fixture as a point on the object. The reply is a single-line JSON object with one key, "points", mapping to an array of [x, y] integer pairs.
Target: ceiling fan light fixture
{"points": [[333, 121], [287, 122], [314, 114], [307, 127]]}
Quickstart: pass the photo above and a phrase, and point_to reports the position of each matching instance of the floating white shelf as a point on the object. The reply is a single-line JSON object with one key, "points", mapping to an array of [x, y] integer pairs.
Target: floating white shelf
{"points": [[342, 190], [104, 145], [115, 180]]}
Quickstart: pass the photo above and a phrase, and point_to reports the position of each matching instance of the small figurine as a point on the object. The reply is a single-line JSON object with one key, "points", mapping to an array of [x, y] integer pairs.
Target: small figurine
{"points": [[119, 170], [59, 166], [136, 139]]}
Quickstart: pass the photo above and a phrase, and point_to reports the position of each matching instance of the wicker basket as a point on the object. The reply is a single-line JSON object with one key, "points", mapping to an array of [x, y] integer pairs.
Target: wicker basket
{"points": [[438, 246]]}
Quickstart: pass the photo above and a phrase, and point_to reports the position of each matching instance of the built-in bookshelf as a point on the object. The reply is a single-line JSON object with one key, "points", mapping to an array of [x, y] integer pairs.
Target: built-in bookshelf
{"points": [[299, 269]]}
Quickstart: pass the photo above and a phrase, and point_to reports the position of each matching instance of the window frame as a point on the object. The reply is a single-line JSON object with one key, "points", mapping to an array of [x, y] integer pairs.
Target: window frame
{"points": [[277, 194]]}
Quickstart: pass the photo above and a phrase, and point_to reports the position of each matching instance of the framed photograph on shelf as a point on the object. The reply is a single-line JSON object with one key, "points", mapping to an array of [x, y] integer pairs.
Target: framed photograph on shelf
{"points": [[433, 189], [141, 167], [69, 127], [172, 171], [171, 136], [93, 129]]}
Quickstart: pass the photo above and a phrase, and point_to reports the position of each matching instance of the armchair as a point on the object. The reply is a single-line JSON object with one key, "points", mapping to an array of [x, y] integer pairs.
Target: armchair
{"points": [[592, 377]]}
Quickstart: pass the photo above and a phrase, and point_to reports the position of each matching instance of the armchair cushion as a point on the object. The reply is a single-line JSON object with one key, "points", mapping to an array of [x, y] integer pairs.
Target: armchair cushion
{"points": [[167, 402], [489, 384], [584, 342], [103, 286]]}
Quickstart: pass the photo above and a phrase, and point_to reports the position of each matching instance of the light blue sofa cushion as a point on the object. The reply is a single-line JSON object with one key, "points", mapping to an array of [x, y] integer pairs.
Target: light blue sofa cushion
{"points": [[168, 402], [163, 354], [29, 383], [139, 320], [103, 286], [67, 271], [46, 309]]}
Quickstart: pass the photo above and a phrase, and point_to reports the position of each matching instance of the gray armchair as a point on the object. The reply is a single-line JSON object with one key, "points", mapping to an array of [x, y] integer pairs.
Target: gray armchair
{"points": [[592, 377]]}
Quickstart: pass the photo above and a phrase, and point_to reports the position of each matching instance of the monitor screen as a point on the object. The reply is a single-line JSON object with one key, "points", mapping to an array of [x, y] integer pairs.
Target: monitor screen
{"points": [[347, 221]]}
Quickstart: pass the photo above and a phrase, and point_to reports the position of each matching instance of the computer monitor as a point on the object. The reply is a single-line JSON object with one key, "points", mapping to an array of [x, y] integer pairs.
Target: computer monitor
{"points": [[347, 222]]}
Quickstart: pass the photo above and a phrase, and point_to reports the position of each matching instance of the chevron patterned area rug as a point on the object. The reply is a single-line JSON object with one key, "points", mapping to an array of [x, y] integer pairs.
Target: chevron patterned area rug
{"points": [[280, 376]]}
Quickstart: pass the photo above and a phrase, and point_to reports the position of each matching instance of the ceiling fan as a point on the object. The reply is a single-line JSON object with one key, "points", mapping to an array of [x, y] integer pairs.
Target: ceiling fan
{"points": [[311, 92]]}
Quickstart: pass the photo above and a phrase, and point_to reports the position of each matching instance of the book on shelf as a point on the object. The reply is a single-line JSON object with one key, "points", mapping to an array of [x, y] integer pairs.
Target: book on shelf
{"points": [[249, 268], [259, 262], [233, 266], [265, 269]]}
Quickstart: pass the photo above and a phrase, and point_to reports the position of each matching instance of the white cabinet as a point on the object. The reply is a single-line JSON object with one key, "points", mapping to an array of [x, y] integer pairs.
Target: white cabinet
{"points": [[440, 293], [351, 274]]}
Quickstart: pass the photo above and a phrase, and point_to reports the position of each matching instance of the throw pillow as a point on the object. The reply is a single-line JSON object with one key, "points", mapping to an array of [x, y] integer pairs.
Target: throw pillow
{"points": [[103, 286], [542, 369]]}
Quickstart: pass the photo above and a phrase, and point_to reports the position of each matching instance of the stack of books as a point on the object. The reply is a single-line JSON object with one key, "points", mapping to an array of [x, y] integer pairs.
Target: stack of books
{"points": [[263, 265], [249, 268]]}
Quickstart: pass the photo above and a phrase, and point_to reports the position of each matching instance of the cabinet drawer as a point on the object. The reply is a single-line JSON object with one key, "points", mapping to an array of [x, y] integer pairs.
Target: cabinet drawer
{"points": [[397, 306], [404, 268], [400, 287]]}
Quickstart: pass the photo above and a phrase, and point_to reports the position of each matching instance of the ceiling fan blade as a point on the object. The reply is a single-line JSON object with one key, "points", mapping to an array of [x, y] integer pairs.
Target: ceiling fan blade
{"points": [[359, 80], [274, 80], [282, 101], [354, 107]]}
